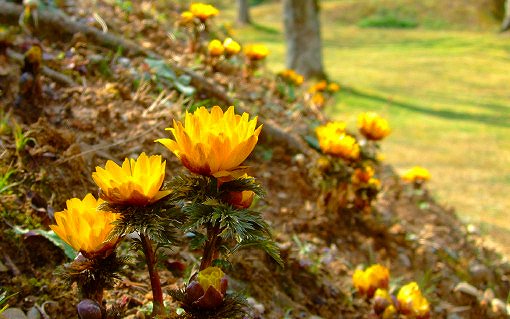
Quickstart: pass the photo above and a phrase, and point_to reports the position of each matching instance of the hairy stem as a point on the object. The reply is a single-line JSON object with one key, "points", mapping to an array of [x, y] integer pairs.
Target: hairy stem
{"points": [[210, 247], [157, 294]]}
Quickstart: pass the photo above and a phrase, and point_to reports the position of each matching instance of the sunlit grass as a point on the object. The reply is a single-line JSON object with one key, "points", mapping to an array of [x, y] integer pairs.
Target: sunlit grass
{"points": [[446, 96]]}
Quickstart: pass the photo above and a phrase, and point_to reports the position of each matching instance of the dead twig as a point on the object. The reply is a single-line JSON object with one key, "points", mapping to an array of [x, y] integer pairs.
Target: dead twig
{"points": [[52, 74]]}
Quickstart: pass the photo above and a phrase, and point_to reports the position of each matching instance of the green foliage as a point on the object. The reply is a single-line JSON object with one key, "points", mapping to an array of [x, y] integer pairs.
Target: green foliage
{"points": [[93, 275], [159, 221], [203, 206], [52, 237], [5, 128], [21, 139], [4, 180], [3, 300], [164, 75], [387, 19]]}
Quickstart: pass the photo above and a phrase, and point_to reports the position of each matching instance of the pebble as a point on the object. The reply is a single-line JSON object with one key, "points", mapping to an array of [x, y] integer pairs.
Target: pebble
{"points": [[13, 313], [33, 313]]}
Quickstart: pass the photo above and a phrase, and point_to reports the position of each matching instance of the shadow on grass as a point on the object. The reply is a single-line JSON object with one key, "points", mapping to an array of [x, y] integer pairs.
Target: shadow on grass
{"points": [[495, 120], [265, 29]]}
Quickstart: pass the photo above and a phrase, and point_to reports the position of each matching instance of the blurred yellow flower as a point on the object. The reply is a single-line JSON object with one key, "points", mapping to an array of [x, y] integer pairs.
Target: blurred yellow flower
{"points": [[215, 48], [333, 87], [213, 143], [372, 126], [334, 141], [390, 312], [292, 77], [318, 87], [362, 175], [382, 301], [203, 11], [368, 281], [412, 303], [318, 100], [416, 174], [135, 183], [83, 227], [231, 46], [256, 52], [187, 17]]}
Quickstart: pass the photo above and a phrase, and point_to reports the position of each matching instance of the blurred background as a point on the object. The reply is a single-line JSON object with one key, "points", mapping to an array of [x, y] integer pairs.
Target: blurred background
{"points": [[438, 70]]}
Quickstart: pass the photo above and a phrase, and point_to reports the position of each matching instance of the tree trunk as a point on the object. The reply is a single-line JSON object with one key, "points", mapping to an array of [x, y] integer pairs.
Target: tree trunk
{"points": [[243, 12], [303, 35], [505, 26]]}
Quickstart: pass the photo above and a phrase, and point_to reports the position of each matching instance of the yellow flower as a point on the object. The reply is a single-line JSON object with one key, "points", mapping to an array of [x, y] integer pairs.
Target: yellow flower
{"points": [[256, 52], [135, 183], [334, 141], [231, 46], [215, 48], [362, 175], [318, 87], [318, 100], [368, 281], [292, 77], [333, 87], [372, 126], [207, 290], [210, 276], [213, 143], [390, 312], [412, 303], [83, 227], [187, 17], [416, 174], [382, 300], [203, 11]]}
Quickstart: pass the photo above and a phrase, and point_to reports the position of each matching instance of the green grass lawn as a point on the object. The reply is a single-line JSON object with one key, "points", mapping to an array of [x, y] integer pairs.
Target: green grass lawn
{"points": [[446, 94]]}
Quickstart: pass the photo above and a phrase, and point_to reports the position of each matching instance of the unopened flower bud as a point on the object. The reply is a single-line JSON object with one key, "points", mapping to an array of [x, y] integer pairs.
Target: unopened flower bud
{"points": [[207, 290], [89, 309]]}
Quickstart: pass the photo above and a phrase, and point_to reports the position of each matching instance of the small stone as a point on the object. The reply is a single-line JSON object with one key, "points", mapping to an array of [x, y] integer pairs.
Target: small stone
{"points": [[479, 273], [33, 313], [14, 313]]}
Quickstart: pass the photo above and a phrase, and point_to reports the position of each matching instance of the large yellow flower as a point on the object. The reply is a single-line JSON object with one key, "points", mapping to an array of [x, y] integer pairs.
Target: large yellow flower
{"points": [[256, 52], [83, 227], [372, 126], [334, 141], [416, 174], [203, 11], [368, 281], [213, 143], [412, 303], [135, 183]]}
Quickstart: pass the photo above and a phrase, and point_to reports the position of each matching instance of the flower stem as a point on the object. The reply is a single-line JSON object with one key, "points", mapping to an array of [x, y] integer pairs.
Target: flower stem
{"points": [[210, 246], [157, 294]]}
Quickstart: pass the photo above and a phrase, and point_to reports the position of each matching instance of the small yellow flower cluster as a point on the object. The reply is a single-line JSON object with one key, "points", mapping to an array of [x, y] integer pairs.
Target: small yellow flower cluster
{"points": [[321, 91], [368, 281], [137, 182], [373, 284], [373, 126], [229, 47], [203, 11], [363, 177], [256, 52], [292, 77], [335, 141], [412, 303], [417, 175]]}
